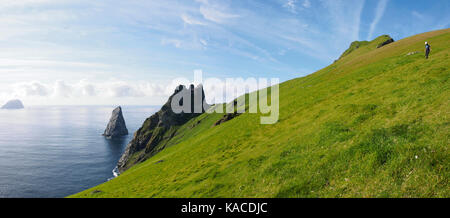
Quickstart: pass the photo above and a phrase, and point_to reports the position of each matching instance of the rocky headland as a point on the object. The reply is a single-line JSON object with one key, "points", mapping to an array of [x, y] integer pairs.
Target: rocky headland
{"points": [[160, 128]]}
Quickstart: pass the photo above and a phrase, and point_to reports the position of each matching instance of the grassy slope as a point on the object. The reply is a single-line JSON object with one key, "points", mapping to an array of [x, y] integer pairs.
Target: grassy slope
{"points": [[352, 129]]}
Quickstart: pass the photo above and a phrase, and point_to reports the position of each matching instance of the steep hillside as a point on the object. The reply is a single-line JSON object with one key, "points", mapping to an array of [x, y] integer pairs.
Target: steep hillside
{"points": [[373, 124]]}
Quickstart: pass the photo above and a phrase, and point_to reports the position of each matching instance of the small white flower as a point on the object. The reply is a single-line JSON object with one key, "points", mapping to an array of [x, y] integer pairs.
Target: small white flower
{"points": [[416, 157]]}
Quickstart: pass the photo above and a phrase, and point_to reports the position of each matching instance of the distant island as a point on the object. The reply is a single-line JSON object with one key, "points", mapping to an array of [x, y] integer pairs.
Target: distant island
{"points": [[13, 105]]}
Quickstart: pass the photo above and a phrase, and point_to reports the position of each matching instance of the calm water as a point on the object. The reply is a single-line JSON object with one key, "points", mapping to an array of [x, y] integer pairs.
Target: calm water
{"points": [[56, 151]]}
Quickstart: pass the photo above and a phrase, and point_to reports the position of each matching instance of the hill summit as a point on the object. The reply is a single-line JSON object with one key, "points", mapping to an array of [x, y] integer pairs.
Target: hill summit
{"points": [[379, 42]]}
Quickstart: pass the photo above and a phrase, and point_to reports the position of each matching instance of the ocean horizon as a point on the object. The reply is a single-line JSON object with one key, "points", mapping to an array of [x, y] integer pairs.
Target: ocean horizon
{"points": [[56, 151]]}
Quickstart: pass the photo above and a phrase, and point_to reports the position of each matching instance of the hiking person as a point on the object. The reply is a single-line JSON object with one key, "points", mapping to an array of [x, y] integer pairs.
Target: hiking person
{"points": [[427, 49]]}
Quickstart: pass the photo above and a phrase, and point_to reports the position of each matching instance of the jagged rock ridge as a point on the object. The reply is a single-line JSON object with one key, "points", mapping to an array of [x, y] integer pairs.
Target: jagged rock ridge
{"points": [[116, 126], [159, 128], [13, 104]]}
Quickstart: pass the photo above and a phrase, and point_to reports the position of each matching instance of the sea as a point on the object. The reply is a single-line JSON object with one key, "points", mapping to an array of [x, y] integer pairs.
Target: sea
{"points": [[56, 151]]}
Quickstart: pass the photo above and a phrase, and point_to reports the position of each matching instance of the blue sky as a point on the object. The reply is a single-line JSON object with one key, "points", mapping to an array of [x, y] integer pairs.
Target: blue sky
{"points": [[128, 52]]}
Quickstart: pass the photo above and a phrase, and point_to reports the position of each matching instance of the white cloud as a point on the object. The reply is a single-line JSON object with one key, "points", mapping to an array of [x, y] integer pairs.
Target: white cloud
{"points": [[290, 5], [215, 12], [33, 88], [215, 15], [61, 89], [204, 42], [85, 88], [306, 4], [379, 12], [123, 89]]}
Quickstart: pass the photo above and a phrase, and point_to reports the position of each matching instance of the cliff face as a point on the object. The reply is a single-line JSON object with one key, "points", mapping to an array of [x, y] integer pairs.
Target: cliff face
{"points": [[116, 126], [161, 127], [13, 104]]}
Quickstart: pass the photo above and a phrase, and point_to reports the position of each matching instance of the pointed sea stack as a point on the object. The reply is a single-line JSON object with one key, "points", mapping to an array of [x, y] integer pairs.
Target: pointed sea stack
{"points": [[116, 126], [13, 104]]}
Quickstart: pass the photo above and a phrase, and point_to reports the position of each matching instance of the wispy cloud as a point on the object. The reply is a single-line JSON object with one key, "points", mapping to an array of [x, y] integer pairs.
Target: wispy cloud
{"points": [[190, 20], [306, 4], [215, 12], [345, 22], [418, 15], [379, 12], [294, 6], [291, 5]]}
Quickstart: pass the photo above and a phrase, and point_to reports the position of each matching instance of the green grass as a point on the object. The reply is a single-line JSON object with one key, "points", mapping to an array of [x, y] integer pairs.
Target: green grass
{"points": [[373, 124]]}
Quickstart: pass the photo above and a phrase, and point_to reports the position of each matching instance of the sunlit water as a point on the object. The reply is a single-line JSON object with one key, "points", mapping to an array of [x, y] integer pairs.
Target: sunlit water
{"points": [[56, 151]]}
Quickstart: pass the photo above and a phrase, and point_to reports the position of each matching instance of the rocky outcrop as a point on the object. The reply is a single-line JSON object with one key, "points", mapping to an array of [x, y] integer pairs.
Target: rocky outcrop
{"points": [[116, 126], [226, 117], [379, 42], [389, 40], [13, 104], [158, 129]]}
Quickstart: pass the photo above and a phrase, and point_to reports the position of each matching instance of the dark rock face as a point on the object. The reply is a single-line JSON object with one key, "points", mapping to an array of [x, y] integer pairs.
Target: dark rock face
{"points": [[388, 41], [227, 117], [13, 104], [158, 129], [116, 126]]}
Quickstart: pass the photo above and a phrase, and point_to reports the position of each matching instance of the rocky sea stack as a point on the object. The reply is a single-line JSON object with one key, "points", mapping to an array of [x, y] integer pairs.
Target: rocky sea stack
{"points": [[13, 104], [160, 128], [116, 126]]}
